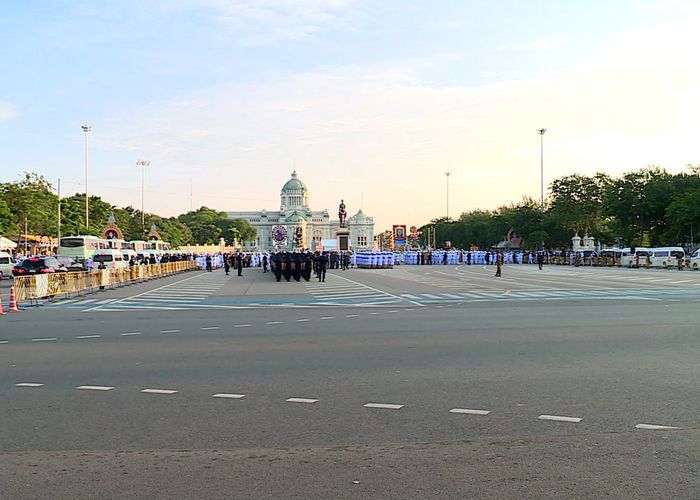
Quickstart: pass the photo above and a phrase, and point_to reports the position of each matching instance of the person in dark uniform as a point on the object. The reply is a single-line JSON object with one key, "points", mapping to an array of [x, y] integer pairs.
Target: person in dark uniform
{"points": [[444, 258], [469, 258], [264, 263], [277, 265], [499, 263], [346, 261], [487, 255], [239, 263], [322, 263], [208, 263], [287, 265], [296, 266], [227, 264], [306, 269], [540, 259]]}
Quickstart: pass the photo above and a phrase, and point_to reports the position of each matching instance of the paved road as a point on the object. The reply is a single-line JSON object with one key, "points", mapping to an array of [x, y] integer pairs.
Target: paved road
{"points": [[203, 385]]}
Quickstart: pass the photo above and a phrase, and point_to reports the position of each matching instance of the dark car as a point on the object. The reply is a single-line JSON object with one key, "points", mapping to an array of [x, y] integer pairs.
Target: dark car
{"points": [[38, 265], [70, 264]]}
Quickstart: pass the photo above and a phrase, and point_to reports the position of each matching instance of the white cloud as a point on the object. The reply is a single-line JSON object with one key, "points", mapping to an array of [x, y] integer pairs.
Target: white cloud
{"points": [[7, 111], [381, 132]]}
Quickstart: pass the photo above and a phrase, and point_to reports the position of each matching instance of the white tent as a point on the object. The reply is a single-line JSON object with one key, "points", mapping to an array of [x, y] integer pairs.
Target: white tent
{"points": [[7, 244]]}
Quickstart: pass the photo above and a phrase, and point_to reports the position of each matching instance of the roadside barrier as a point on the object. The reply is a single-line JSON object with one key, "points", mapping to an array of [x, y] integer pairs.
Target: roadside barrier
{"points": [[54, 285]]}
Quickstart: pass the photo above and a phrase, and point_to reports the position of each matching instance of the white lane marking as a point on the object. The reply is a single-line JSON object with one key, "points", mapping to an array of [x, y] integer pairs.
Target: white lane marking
{"points": [[87, 301], [4, 341], [241, 326], [303, 320], [127, 334], [430, 296], [373, 313], [409, 296], [383, 406], [225, 395], [107, 301], [654, 427], [170, 331], [381, 291], [392, 311], [302, 400], [274, 323], [29, 384], [47, 339], [328, 317], [209, 328], [466, 411], [351, 315], [94, 388], [559, 418], [88, 336], [158, 391], [451, 296]]}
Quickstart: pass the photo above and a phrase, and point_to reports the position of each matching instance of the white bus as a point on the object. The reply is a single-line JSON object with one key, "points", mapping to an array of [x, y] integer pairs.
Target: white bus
{"points": [[81, 248], [666, 256], [629, 257]]}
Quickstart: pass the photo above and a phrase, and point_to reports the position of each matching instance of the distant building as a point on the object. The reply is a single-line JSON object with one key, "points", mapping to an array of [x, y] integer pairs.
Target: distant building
{"points": [[278, 229]]}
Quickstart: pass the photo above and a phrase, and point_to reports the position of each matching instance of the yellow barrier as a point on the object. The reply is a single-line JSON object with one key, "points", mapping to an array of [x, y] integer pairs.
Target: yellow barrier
{"points": [[42, 286]]}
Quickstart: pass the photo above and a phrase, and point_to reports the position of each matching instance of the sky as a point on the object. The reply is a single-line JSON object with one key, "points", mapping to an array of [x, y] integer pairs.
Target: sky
{"points": [[370, 101]]}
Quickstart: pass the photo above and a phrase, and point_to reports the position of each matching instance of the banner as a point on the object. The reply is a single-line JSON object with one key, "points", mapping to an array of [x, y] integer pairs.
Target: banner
{"points": [[399, 234]]}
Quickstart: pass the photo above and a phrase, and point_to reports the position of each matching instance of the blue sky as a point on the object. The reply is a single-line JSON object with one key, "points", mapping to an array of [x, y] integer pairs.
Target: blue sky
{"points": [[371, 101]]}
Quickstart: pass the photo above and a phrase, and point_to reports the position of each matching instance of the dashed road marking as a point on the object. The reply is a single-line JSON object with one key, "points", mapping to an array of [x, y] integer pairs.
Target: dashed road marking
{"points": [[655, 427], [47, 339], [302, 400], [274, 323], [127, 334], [170, 331], [206, 328], [94, 388], [225, 395], [351, 315], [241, 326], [373, 313], [4, 341], [158, 391], [29, 384], [328, 317], [303, 320], [88, 336], [466, 411], [559, 418], [383, 406]]}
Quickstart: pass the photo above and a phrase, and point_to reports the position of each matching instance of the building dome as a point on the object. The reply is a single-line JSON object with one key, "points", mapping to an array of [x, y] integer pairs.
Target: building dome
{"points": [[294, 184], [294, 195]]}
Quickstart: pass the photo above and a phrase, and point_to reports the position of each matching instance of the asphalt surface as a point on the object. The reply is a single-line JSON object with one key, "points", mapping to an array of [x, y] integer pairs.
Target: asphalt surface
{"points": [[416, 382]]}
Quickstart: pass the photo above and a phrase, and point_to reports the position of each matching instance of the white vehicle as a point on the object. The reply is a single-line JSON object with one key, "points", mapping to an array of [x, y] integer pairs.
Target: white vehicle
{"points": [[629, 257], [6, 265], [128, 254], [694, 260], [81, 248], [112, 259], [666, 256]]}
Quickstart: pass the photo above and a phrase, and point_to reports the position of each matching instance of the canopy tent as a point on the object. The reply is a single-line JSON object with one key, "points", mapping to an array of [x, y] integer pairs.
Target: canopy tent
{"points": [[7, 244]]}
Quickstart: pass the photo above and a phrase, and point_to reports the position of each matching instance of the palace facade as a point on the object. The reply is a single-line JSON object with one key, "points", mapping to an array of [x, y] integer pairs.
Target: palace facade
{"points": [[279, 229]]}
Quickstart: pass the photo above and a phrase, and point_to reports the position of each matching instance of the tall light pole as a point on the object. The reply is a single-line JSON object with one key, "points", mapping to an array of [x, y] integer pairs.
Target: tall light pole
{"points": [[447, 175], [143, 164], [86, 129], [541, 131]]}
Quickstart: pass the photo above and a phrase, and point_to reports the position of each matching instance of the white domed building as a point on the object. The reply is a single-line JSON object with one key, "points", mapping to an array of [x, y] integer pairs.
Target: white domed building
{"points": [[278, 229]]}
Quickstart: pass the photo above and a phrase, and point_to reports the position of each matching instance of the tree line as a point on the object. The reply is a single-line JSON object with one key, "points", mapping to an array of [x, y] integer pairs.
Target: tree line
{"points": [[649, 207], [32, 203]]}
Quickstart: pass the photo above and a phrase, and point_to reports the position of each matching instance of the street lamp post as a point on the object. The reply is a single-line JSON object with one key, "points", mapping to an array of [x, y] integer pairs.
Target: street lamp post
{"points": [[143, 164], [541, 131], [86, 129], [447, 175]]}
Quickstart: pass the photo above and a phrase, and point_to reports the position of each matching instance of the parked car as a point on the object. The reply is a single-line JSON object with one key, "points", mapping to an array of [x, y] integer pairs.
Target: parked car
{"points": [[6, 264], [38, 265], [70, 264]]}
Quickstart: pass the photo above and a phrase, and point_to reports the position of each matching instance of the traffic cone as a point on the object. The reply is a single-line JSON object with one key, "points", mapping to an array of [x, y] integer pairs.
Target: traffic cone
{"points": [[13, 301], [2, 311]]}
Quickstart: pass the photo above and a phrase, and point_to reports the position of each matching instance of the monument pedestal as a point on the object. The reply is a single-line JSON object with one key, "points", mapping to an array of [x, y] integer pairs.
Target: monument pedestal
{"points": [[342, 236]]}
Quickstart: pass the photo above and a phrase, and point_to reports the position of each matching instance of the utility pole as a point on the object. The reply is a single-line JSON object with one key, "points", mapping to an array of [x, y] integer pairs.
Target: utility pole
{"points": [[541, 131], [59, 216], [86, 129], [143, 164], [447, 175]]}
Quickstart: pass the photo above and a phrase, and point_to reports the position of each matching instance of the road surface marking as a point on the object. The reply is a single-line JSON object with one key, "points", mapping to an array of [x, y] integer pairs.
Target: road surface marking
{"points": [[328, 317], [29, 384], [158, 391], [466, 411], [351, 315], [130, 333], [392, 311], [559, 418], [409, 296], [105, 301], [654, 427], [224, 395], [274, 323], [88, 336], [383, 406], [47, 339], [430, 296], [302, 400], [373, 313], [209, 328], [4, 341], [170, 331], [241, 326], [303, 320], [94, 388]]}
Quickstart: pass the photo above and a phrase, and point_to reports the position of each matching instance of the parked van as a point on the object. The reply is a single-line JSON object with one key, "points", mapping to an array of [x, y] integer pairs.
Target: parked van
{"points": [[694, 260], [6, 265], [128, 254], [634, 257], [666, 256], [112, 259]]}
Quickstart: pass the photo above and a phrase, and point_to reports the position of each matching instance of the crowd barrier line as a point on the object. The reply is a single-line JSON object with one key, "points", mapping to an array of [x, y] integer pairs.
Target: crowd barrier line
{"points": [[59, 285]]}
